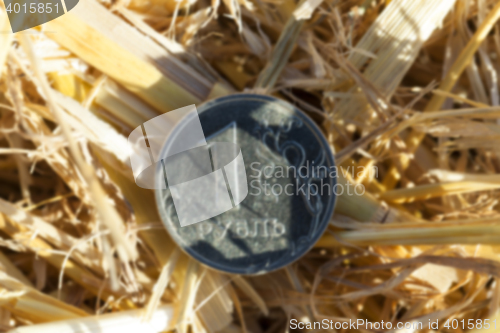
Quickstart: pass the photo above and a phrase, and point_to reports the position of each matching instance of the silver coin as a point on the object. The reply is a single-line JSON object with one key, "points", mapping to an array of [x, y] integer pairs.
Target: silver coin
{"points": [[291, 178]]}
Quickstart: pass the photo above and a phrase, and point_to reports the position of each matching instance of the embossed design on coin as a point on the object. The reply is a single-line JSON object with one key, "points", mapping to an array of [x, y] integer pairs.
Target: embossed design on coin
{"points": [[290, 187]]}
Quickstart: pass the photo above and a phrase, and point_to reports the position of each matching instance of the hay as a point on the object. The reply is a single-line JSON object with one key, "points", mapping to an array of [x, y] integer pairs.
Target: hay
{"points": [[82, 248]]}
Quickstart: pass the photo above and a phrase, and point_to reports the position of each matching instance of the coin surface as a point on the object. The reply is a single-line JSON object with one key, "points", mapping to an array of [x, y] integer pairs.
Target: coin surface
{"points": [[291, 177]]}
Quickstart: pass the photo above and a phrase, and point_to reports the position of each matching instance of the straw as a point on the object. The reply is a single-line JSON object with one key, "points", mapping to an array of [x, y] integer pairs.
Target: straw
{"points": [[83, 247], [122, 322], [447, 84]]}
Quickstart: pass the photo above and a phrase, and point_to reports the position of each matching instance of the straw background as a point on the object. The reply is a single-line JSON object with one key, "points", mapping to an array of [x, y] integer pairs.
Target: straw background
{"points": [[408, 87]]}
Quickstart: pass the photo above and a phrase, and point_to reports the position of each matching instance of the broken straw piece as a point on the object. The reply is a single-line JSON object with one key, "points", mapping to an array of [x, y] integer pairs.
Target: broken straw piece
{"points": [[119, 322]]}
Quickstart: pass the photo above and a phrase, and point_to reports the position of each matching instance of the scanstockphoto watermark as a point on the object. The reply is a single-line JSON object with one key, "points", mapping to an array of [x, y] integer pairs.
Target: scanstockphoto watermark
{"points": [[309, 180], [360, 324]]}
